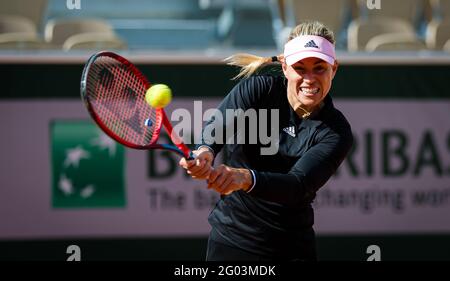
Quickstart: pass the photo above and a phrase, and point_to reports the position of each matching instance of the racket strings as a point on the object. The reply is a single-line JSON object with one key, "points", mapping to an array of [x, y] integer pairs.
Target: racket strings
{"points": [[118, 97], [138, 109]]}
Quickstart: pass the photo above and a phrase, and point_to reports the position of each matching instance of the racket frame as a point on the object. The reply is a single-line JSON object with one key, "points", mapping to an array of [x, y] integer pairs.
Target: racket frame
{"points": [[160, 116]]}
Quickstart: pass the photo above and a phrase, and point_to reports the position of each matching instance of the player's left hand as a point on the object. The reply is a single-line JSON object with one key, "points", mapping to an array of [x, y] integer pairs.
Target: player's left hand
{"points": [[201, 166], [225, 179]]}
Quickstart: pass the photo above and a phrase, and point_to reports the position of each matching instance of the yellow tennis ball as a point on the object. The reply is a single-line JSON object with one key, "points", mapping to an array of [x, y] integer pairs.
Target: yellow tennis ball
{"points": [[158, 96]]}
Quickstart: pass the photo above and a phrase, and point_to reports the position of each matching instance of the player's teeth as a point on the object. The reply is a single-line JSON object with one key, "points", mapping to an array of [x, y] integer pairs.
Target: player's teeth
{"points": [[310, 91]]}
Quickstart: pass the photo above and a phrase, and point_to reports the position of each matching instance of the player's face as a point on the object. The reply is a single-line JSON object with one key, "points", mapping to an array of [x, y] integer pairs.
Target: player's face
{"points": [[309, 82]]}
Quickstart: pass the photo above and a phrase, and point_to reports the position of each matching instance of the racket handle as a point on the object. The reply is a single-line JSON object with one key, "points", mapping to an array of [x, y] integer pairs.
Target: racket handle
{"points": [[191, 156]]}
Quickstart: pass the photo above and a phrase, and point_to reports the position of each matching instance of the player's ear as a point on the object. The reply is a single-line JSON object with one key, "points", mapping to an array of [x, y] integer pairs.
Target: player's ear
{"points": [[334, 68], [284, 67]]}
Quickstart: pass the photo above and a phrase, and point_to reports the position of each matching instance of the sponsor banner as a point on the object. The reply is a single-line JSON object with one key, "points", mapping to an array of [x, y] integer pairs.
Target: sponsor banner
{"points": [[62, 177], [87, 166], [397, 178]]}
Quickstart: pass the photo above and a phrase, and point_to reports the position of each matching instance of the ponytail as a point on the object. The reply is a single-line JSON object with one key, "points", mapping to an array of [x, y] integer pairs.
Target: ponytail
{"points": [[249, 63]]}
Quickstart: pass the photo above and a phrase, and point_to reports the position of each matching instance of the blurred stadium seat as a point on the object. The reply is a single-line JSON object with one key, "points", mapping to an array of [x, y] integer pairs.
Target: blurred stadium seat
{"points": [[33, 10], [18, 32], [247, 24], [441, 9], [333, 13], [97, 41], [14, 23], [21, 41], [57, 32], [151, 24], [438, 29], [447, 46], [410, 11], [401, 16], [361, 31], [395, 42], [437, 34]]}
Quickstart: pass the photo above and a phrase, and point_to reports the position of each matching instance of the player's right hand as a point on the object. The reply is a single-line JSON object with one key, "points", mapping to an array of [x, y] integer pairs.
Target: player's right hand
{"points": [[201, 166]]}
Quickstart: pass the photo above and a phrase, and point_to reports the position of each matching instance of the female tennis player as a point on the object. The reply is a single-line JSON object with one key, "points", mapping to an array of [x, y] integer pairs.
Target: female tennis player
{"points": [[265, 212]]}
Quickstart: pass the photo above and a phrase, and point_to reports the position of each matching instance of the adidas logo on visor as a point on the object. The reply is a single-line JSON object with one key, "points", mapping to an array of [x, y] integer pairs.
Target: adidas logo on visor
{"points": [[311, 44]]}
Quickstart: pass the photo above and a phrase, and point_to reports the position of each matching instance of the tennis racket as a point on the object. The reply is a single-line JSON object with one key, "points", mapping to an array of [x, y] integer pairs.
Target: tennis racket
{"points": [[113, 91]]}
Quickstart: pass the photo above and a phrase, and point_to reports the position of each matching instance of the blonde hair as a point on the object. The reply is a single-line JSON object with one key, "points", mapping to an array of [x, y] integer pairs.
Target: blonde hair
{"points": [[250, 64]]}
